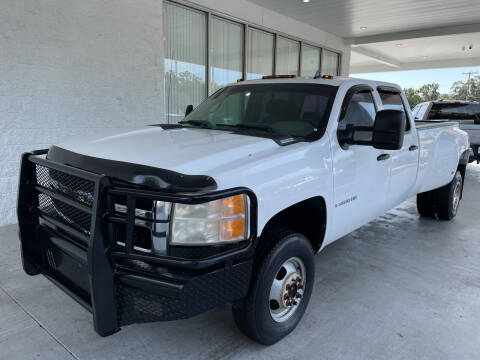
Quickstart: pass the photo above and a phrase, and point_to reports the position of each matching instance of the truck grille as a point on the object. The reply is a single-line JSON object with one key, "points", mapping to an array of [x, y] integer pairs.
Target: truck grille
{"points": [[70, 186]]}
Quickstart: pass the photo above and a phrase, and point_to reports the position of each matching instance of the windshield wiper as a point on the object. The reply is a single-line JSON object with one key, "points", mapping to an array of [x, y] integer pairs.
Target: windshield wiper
{"points": [[261, 127], [203, 123]]}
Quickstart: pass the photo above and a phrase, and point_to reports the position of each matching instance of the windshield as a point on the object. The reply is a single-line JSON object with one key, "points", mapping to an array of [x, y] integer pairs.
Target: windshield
{"points": [[455, 111], [298, 110]]}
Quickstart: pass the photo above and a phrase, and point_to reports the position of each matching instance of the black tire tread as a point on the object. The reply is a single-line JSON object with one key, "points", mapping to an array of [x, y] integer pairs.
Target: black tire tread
{"points": [[444, 202]]}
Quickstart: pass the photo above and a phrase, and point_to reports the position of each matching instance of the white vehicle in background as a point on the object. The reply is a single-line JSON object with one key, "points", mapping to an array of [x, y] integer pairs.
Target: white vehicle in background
{"points": [[466, 113], [230, 205]]}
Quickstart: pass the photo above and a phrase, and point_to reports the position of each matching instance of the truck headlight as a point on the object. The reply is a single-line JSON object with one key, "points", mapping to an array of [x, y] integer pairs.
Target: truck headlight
{"points": [[215, 222]]}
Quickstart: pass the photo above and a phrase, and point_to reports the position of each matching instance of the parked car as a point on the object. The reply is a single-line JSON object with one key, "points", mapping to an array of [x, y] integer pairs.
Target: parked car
{"points": [[466, 113], [230, 205]]}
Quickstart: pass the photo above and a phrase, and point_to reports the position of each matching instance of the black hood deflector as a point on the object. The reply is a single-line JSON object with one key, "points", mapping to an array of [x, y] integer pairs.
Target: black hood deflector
{"points": [[148, 176]]}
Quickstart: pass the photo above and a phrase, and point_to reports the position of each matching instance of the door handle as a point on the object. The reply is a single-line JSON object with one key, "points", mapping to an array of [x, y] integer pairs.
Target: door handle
{"points": [[413, 148], [383, 157]]}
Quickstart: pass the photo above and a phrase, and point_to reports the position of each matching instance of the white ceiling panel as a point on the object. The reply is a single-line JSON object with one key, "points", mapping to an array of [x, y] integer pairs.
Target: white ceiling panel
{"points": [[345, 17]]}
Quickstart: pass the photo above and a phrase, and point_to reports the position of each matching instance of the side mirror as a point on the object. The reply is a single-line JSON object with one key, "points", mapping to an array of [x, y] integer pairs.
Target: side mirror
{"points": [[388, 130], [188, 110], [386, 134]]}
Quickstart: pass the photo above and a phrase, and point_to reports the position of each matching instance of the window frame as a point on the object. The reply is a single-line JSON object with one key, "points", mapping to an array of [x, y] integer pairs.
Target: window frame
{"points": [[355, 89]]}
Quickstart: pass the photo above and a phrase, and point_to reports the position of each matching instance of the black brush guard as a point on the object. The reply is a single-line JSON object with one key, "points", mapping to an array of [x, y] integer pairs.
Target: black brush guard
{"points": [[119, 285]]}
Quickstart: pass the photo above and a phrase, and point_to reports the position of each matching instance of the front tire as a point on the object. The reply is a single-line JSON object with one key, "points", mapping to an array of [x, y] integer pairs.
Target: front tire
{"points": [[280, 290], [449, 198]]}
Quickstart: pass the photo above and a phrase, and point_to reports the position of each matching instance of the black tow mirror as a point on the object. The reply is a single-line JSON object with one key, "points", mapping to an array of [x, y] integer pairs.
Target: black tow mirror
{"points": [[386, 133], [188, 110], [388, 130]]}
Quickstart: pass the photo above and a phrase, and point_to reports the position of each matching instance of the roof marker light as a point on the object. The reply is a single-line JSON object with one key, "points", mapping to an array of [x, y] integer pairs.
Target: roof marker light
{"points": [[266, 77], [318, 75]]}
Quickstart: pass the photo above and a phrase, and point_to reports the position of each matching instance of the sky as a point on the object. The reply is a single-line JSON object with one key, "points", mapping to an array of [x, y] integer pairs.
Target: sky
{"points": [[416, 78]]}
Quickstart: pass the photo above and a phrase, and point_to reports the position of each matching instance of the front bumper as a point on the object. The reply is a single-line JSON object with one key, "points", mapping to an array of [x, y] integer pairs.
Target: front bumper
{"points": [[119, 284]]}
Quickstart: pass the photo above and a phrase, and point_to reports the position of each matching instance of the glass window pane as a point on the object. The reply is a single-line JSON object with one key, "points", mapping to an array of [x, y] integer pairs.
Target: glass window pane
{"points": [[329, 63], [227, 53], [259, 54], [310, 60], [421, 112], [287, 56], [269, 109], [185, 47], [360, 112], [459, 111]]}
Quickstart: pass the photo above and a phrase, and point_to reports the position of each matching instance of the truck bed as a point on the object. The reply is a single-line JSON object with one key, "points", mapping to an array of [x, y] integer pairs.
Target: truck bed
{"points": [[422, 125], [439, 153]]}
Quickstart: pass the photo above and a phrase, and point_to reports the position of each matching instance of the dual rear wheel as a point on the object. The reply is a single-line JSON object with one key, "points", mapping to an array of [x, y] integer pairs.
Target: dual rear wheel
{"points": [[443, 201]]}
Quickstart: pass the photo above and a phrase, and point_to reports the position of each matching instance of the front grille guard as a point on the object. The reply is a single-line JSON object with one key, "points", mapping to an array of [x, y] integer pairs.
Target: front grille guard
{"points": [[102, 252]]}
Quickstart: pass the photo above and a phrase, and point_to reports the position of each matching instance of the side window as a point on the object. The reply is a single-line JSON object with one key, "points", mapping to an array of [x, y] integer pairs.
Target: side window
{"points": [[361, 111], [415, 111], [392, 100], [421, 112]]}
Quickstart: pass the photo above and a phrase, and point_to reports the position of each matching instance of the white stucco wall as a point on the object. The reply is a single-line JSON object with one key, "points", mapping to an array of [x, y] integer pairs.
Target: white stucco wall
{"points": [[70, 68]]}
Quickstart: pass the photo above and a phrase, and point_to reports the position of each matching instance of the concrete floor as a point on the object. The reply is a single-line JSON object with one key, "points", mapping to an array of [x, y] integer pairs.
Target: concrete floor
{"points": [[400, 287]]}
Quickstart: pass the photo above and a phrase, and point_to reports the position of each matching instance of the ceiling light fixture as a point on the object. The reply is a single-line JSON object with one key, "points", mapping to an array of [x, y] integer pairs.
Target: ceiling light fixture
{"points": [[363, 28], [306, 1], [398, 45]]}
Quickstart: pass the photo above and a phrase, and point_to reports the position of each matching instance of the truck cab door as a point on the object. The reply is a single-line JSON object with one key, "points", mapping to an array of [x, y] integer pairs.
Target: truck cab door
{"points": [[361, 173], [404, 161]]}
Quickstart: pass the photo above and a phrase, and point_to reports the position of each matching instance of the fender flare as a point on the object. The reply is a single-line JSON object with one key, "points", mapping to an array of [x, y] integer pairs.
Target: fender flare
{"points": [[465, 157]]}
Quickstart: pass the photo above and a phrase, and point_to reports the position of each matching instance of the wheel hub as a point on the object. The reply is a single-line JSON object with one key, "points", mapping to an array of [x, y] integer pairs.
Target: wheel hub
{"points": [[292, 290], [287, 289]]}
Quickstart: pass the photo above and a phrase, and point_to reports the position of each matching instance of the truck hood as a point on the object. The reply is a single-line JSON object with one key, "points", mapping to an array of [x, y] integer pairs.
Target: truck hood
{"points": [[187, 151]]}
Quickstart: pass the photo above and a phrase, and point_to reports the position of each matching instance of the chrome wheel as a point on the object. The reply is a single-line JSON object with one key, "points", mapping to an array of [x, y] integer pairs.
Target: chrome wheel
{"points": [[287, 289], [457, 192]]}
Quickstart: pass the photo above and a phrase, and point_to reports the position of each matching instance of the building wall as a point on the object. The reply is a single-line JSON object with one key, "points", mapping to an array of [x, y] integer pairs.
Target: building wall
{"points": [[70, 68]]}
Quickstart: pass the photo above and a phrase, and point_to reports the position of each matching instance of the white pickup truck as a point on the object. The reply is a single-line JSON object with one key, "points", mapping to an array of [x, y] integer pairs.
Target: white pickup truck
{"points": [[230, 205]]}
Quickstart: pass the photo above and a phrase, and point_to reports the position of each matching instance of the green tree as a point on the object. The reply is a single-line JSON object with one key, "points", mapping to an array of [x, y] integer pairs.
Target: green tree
{"points": [[413, 97], [466, 90], [429, 92], [445, 97]]}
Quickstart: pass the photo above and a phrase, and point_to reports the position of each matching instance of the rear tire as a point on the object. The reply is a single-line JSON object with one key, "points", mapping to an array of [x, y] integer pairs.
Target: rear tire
{"points": [[449, 197], [426, 203], [288, 264]]}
